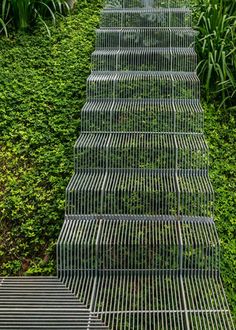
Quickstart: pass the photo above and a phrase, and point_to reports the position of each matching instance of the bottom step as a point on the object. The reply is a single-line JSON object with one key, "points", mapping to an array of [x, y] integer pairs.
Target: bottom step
{"points": [[42, 303], [128, 301], [147, 301]]}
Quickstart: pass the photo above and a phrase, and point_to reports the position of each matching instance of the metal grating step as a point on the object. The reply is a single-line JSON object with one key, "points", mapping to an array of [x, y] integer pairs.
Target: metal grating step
{"points": [[143, 59], [42, 303], [179, 116], [117, 4], [146, 17], [161, 303], [143, 85], [127, 38], [140, 244], [141, 301], [140, 192], [141, 151]]}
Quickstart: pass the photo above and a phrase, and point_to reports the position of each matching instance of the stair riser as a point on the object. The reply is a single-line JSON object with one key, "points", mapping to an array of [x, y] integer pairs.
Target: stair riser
{"points": [[134, 193], [141, 117], [142, 86], [145, 3], [146, 19], [144, 61], [138, 245], [143, 152], [146, 38]]}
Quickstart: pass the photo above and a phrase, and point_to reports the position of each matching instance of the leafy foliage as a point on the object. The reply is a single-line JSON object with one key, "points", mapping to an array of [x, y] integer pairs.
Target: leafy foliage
{"points": [[22, 14], [42, 89], [216, 47], [220, 131]]}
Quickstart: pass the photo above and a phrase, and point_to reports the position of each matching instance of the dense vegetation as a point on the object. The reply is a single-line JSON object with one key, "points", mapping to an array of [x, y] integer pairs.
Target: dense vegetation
{"points": [[216, 48], [42, 90], [220, 132], [22, 15]]}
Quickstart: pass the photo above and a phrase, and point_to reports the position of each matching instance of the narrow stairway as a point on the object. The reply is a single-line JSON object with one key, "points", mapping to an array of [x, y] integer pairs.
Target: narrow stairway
{"points": [[139, 245], [138, 249]]}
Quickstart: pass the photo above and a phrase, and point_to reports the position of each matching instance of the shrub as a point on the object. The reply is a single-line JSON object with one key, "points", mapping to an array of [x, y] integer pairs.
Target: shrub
{"points": [[22, 14], [220, 131], [216, 46]]}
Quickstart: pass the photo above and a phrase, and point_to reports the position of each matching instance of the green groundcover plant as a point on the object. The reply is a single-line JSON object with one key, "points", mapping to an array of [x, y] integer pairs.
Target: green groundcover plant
{"points": [[42, 89]]}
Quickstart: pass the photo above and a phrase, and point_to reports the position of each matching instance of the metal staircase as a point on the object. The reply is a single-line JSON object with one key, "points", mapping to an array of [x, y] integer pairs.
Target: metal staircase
{"points": [[138, 249]]}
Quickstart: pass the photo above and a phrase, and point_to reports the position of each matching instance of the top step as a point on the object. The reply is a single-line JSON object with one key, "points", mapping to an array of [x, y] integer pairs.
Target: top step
{"points": [[146, 17], [145, 4]]}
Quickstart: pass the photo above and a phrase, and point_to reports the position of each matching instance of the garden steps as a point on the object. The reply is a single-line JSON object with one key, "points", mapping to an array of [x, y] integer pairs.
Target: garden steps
{"points": [[139, 244], [138, 249]]}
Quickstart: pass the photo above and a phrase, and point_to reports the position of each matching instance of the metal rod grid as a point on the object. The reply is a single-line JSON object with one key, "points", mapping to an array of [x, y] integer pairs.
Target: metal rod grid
{"points": [[185, 117], [146, 17], [162, 59], [138, 249], [125, 38], [139, 243], [143, 85], [146, 244], [140, 192], [118, 4], [42, 303], [141, 151]]}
